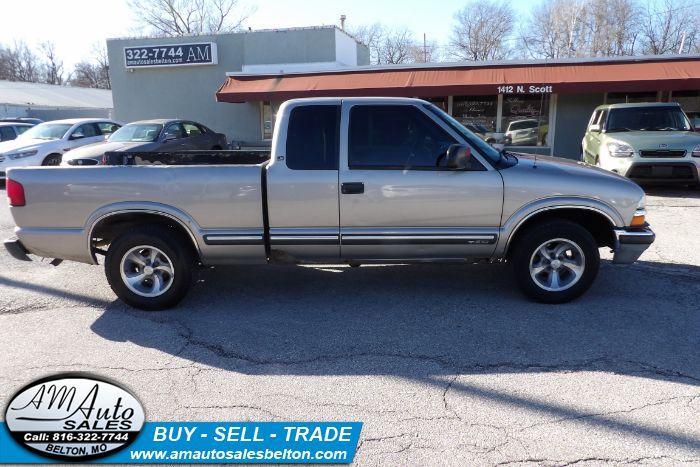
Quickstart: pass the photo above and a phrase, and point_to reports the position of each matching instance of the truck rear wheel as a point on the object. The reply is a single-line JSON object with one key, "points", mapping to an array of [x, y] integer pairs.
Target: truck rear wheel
{"points": [[149, 268], [555, 262]]}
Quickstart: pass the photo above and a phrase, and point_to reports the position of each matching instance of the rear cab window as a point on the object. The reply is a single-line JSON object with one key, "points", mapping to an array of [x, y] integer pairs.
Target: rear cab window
{"points": [[313, 137]]}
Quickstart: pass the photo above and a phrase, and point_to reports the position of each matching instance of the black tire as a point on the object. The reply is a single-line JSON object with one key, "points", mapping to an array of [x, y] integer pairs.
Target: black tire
{"points": [[177, 250], [52, 159], [526, 246]]}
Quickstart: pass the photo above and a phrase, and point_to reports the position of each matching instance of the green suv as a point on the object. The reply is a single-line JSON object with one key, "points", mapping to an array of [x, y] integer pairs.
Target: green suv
{"points": [[649, 143]]}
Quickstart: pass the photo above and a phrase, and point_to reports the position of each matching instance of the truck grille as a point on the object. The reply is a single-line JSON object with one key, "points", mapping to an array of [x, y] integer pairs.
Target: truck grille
{"points": [[662, 153]]}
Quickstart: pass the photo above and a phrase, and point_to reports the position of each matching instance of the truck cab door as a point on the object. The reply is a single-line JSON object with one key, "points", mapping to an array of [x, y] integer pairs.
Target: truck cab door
{"points": [[302, 183], [397, 199]]}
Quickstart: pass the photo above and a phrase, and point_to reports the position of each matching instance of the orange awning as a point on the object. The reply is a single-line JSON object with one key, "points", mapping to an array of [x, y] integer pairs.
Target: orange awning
{"points": [[676, 73]]}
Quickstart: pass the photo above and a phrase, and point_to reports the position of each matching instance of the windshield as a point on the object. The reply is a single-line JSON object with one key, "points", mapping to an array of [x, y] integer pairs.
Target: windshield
{"points": [[669, 118], [484, 148], [137, 132], [47, 131]]}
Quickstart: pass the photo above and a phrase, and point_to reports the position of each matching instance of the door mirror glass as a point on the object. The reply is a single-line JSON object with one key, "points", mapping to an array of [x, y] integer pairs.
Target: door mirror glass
{"points": [[594, 127], [458, 157]]}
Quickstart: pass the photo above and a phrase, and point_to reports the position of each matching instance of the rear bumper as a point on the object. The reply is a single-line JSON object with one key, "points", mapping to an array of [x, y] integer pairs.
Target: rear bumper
{"points": [[16, 249], [631, 243]]}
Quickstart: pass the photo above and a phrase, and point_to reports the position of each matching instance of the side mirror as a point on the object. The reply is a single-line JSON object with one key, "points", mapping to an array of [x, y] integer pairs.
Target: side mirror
{"points": [[458, 157], [170, 137], [595, 127], [77, 136]]}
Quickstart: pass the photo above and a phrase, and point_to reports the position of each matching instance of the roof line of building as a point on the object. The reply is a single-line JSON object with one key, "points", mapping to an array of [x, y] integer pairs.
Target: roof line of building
{"points": [[477, 64], [243, 31]]}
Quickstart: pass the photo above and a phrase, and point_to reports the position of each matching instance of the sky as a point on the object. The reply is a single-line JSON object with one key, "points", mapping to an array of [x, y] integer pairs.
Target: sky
{"points": [[75, 26]]}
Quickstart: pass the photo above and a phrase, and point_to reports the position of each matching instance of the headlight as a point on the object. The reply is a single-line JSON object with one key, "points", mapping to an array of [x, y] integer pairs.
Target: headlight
{"points": [[696, 151], [620, 149], [20, 155]]}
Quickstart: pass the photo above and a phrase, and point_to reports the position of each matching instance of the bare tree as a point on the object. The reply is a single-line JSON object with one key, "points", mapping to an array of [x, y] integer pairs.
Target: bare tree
{"points": [[560, 28], [372, 36], [93, 73], [189, 17], [398, 46], [20, 63], [53, 67], [670, 26], [482, 30], [425, 52], [554, 29], [386, 46]]}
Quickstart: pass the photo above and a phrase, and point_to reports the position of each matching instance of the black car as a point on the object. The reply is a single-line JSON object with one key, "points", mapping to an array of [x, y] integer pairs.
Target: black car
{"points": [[162, 135]]}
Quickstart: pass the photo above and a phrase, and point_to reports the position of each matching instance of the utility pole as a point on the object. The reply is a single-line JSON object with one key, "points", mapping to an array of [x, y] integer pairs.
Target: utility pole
{"points": [[425, 49]]}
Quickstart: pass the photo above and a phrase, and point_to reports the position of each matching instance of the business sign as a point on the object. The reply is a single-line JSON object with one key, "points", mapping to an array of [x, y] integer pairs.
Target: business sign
{"points": [[202, 53], [525, 89]]}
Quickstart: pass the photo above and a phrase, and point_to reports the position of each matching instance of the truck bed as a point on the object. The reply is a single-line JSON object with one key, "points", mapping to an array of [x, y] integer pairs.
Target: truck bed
{"points": [[210, 200]]}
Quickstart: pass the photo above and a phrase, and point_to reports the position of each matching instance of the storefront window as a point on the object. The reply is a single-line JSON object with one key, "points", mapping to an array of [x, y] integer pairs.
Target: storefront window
{"points": [[478, 114], [525, 119], [440, 102], [625, 97]]}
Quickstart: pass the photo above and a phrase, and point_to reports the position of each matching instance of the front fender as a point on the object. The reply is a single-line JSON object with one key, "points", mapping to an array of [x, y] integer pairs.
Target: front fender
{"points": [[511, 225]]}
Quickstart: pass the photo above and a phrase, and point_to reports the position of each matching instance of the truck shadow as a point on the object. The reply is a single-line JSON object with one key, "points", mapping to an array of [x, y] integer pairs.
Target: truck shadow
{"points": [[431, 323], [642, 319]]}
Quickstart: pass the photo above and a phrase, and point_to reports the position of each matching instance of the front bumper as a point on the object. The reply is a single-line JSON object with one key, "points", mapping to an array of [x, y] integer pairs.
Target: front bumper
{"points": [[16, 249], [662, 172], [631, 243]]}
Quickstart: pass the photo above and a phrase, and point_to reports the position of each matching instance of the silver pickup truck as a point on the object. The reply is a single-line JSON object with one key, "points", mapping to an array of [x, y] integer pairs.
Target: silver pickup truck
{"points": [[360, 180]]}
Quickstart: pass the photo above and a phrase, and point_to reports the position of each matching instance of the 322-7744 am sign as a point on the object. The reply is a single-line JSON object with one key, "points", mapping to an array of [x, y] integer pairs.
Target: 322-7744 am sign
{"points": [[203, 53]]}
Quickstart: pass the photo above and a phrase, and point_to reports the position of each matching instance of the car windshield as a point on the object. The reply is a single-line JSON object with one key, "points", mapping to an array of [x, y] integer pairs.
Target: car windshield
{"points": [[47, 131], [137, 132], [669, 118], [483, 147]]}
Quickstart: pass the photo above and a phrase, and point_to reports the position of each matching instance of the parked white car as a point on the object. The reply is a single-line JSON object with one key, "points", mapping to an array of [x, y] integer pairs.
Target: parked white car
{"points": [[45, 143]]}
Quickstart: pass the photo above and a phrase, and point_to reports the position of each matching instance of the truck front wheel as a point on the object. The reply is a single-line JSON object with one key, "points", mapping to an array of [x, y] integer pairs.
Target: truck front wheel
{"points": [[149, 268], [556, 261]]}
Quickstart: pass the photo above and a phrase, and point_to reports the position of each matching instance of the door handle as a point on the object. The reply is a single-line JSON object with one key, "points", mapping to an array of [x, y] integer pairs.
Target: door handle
{"points": [[352, 188]]}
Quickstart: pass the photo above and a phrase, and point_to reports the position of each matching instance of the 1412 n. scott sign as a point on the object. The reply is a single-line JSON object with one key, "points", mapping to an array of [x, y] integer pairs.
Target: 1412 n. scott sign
{"points": [[203, 53], [525, 89]]}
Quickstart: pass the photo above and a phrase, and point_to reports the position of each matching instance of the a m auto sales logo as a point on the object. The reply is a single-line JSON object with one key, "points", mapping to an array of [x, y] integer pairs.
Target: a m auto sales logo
{"points": [[74, 417]]}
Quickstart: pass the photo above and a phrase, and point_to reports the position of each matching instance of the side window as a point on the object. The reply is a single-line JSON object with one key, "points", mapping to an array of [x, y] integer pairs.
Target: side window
{"points": [[312, 137], [21, 129], [87, 130], [107, 128], [174, 131], [191, 129], [395, 136], [603, 118], [594, 118], [6, 133]]}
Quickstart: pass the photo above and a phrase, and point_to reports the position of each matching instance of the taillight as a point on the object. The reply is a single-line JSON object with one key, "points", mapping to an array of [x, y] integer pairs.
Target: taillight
{"points": [[15, 193]]}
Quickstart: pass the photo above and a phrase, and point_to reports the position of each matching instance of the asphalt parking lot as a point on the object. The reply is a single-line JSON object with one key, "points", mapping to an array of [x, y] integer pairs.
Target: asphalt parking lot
{"points": [[443, 364]]}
